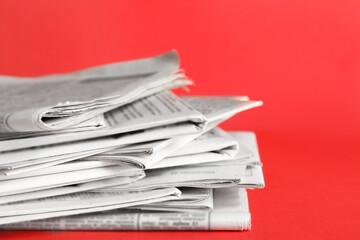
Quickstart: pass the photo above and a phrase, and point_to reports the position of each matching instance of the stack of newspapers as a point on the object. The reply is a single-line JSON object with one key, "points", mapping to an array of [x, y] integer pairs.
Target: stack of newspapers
{"points": [[112, 148]]}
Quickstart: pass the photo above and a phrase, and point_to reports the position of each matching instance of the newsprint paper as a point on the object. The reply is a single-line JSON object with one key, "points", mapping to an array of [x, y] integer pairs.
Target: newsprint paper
{"points": [[63, 101], [231, 212]]}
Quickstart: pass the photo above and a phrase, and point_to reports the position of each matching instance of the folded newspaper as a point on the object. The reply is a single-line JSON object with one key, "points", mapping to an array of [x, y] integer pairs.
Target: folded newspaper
{"points": [[230, 212], [62, 101], [112, 148]]}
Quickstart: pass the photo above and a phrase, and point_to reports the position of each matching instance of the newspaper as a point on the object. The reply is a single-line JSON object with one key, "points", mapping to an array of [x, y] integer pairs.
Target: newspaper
{"points": [[214, 109], [253, 177], [80, 203], [103, 144], [148, 155], [198, 158], [81, 187], [76, 165], [190, 200], [247, 140], [231, 212], [61, 101], [40, 182], [157, 110], [229, 106], [179, 113], [95, 123], [187, 176], [215, 146], [247, 143], [30, 166], [215, 140]]}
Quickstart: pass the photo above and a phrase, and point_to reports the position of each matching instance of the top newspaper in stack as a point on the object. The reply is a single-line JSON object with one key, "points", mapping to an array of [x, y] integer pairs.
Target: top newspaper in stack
{"points": [[158, 110], [63, 101]]}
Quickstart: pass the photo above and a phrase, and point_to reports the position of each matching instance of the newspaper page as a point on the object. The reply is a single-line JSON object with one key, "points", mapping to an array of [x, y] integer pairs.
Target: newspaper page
{"points": [[215, 109], [209, 148], [221, 148], [35, 183], [231, 212], [142, 155], [95, 123], [145, 155], [247, 143], [221, 109], [193, 176], [247, 140], [102, 144], [191, 199], [63, 101], [157, 110], [67, 167], [74, 188], [225, 106], [30, 166], [212, 141], [81, 203], [253, 177], [56, 154], [213, 147], [163, 153], [30, 156], [197, 158]]}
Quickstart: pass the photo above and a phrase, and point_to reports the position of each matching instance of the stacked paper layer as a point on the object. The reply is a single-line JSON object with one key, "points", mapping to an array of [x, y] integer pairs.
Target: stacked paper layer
{"points": [[112, 148]]}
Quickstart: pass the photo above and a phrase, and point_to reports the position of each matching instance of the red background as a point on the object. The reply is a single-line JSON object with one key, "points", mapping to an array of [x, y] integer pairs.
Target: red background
{"points": [[301, 58]]}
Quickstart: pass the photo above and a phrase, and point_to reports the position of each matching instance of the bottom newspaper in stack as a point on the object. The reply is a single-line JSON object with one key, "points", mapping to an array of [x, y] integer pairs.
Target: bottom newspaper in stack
{"points": [[230, 212], [201, 186]]}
